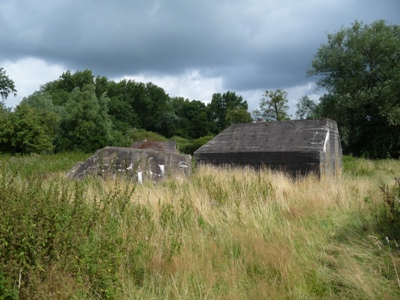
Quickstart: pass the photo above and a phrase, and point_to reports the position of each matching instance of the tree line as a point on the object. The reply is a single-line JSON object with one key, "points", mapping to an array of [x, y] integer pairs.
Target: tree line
{"points": [[358, 69], [83, 112]]}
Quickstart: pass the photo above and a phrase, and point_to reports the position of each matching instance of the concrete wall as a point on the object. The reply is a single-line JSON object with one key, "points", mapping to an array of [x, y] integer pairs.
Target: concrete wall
{"points": [[297, 147], [136, 164]]}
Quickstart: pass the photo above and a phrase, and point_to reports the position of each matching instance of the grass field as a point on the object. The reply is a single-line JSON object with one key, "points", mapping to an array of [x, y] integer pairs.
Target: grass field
{"points": [[221, 234]]}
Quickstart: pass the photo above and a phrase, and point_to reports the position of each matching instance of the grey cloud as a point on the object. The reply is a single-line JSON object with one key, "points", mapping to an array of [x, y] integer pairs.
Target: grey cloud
{"points": [[250, 44]]}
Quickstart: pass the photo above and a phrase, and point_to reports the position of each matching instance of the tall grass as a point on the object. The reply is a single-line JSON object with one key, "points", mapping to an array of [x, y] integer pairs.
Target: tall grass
{"points": [[221, 234]]}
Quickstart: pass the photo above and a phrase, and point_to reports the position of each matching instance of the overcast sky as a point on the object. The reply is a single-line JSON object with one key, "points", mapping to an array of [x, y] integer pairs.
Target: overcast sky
{"points": [[191, 48]]}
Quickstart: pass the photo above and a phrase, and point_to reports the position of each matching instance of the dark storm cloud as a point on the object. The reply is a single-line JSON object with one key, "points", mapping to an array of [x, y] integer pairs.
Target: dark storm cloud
{"points": [[127, 35], [250, 44]]}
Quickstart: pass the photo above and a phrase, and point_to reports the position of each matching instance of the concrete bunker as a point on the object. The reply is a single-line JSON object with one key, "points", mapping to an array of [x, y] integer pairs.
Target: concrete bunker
{"points": [[138, 164], [298, 147]]}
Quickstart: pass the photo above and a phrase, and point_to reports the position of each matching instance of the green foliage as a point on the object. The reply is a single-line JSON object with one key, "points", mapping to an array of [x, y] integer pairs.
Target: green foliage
{"points": [[238, 115], [122, 115], [166, 125], [43, 101], [7, 291], [357, 167], [3, 109], [191, 117], [88, 112], [27, 130], [223, 233], [221, 105], [60, 89], [7, 85], [182, 144], [150, 104], [138, 135], [188, 146], [196, 144], [273, 106], [58, 229], [361, 75], [86, 125], [389, 212], [121, 106], [138, 105], [306, 108]]}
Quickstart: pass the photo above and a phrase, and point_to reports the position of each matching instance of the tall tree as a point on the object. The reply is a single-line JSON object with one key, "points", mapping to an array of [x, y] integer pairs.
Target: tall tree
{"points": [[306, 108], [120, 106], [43, 101], [192, 118], [86, 125], [238, 115], [220, 106], [61, 88], [359, 68], [273, 106], [147, 101], [7, 85]]}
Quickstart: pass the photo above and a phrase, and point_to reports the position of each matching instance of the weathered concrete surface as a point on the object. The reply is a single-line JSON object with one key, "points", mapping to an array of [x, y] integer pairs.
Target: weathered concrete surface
{"points": [[297, 147], [139, 165]]}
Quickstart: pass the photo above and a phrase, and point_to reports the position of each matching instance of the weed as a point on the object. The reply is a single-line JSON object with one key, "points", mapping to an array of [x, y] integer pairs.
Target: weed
{"points": [[224, 233]]}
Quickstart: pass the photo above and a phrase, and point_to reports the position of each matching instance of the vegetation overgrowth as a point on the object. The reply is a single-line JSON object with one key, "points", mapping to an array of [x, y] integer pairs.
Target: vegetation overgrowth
{"points": [[221, 234]]}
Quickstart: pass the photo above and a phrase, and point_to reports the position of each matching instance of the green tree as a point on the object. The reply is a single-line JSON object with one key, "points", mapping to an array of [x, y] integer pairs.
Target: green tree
{"points": [[43, 101], [192, 117], [7, 85], [306, 108], [27, 130], [6, 129], [121, 105], [166, 124], [86, 125], [238, 115], [147, 101], [220, 105], [196, 114], [60, 89], [360, 71], [152, 107], [273, 106]]}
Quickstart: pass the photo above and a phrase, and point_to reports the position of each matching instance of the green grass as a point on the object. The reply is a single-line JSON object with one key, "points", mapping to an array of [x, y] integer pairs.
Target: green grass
{"points": [[221, 234], [26, 166]]}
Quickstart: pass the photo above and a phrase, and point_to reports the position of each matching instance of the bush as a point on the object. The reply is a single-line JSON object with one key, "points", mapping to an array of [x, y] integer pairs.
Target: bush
{"points": [[55, 236], [182, 143], [188, 146], [142, 134]]}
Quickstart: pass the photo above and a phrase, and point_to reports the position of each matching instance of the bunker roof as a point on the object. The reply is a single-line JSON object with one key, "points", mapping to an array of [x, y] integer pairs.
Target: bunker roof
{"points": [[283, 136]]}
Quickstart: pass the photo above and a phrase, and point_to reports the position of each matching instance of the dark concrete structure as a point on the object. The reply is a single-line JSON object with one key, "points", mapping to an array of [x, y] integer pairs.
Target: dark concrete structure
{"points": [[137, 164], [297, 147]]}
